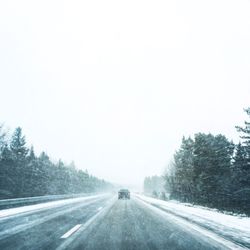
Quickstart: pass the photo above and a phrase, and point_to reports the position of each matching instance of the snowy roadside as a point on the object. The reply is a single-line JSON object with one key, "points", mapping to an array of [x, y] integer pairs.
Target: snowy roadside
{"points": [[20, 202], [233, 227], [43, 206]]}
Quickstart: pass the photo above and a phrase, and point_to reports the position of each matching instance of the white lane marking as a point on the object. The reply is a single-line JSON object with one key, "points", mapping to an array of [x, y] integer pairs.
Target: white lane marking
{"points": [[71, 231], [100, 208], [66, 244]]}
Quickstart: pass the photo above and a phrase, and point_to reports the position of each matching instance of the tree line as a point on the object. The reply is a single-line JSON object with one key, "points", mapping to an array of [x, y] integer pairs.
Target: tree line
{"points": [[24, 174], [212, 171], [154, 185]]}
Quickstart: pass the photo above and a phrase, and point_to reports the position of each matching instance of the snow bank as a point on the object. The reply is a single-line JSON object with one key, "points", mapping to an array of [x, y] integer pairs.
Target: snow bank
{"points": [[235, 228], [42, 206]]}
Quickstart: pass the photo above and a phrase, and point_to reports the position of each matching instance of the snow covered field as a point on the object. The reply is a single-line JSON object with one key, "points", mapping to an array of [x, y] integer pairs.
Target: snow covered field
{"points": [[233, 227]]}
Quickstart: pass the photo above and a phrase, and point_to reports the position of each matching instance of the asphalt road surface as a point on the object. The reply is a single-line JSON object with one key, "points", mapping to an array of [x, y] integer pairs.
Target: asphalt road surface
{"points": [[103, 222]]}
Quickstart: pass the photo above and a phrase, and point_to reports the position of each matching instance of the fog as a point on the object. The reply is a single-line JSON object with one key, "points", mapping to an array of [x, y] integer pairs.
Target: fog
{"points": [[114, 85]]}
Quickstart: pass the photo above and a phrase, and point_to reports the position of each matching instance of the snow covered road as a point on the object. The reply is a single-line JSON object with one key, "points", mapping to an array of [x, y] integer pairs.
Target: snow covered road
{"points": [[103, 222], [232, 227]]}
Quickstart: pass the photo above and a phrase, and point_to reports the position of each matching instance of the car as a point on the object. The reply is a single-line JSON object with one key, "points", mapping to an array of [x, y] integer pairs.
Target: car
{"points": [[123, 194]]}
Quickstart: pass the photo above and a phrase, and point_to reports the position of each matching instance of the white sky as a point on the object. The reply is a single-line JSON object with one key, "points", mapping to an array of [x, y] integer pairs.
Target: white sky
{"points": [[114, 85]]}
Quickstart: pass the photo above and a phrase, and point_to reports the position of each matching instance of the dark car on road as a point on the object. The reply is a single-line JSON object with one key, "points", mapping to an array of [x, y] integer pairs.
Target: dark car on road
{"points": [[123, 194]]}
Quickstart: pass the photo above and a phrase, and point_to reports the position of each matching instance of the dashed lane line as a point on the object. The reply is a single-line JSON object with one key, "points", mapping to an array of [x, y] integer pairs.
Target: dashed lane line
{"points": [[71, 231]]}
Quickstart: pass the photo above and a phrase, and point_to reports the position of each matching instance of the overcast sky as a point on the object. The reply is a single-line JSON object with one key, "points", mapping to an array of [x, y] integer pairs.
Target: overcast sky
{"points": [[114, 85]]}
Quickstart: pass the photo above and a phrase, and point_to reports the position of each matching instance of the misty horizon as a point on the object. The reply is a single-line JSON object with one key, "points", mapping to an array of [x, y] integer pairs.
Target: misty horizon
{"points": [[115, 88]]}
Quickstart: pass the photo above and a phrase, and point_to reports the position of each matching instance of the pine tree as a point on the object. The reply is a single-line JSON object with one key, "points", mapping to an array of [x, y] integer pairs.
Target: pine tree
{"points": [[242, 165], [45, 183], [240, 179], [182, 180], [31, 156], [7, 173], [200, 172], [19, 153], [212, 162], [2, 139], [23, 174], [245, 135], [31, 173], [17, 145]]}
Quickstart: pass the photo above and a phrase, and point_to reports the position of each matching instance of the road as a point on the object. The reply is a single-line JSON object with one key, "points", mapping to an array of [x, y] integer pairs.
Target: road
{"points": [[103, 222]]}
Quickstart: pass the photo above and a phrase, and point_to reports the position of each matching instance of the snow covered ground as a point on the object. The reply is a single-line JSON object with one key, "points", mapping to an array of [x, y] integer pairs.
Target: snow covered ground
{"points": [[232, 227], [42, 206]]}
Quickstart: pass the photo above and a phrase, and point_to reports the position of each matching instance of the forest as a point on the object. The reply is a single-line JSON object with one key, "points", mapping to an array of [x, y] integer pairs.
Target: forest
{"points": [[24, 174], [212, 171]]}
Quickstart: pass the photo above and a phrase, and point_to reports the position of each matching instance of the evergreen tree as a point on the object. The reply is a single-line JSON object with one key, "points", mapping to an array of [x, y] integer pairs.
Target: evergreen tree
{"points": [[17, 145], [153, 184], [240, 179], [212, 162], [200, 171], [2, 139], [242, 166], [19, 153], [31, 156], [245, 135], [45, 183], [30, 173], [183, 160], [24, 174], [7, 172]]}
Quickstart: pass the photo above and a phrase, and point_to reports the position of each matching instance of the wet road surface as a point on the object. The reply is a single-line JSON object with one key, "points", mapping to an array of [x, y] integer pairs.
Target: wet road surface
{"points": [[103, 222]]}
